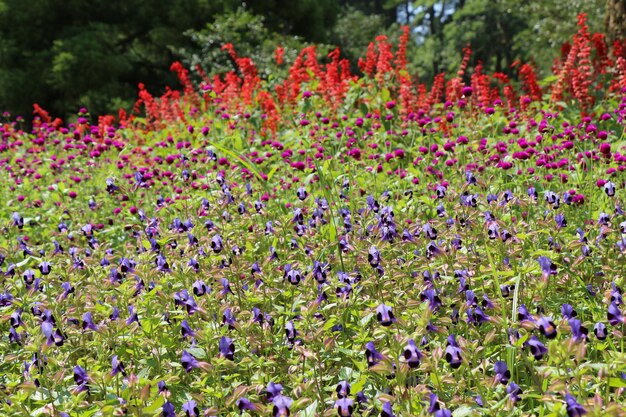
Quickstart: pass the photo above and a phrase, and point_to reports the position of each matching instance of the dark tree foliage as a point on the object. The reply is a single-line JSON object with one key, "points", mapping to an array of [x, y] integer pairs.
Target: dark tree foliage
{"points": [[616, 19], [72, 53]]}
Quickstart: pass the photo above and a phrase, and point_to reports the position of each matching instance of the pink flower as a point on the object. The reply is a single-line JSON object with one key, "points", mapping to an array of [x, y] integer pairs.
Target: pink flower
{"points": [[605, 148], [299, 165]]}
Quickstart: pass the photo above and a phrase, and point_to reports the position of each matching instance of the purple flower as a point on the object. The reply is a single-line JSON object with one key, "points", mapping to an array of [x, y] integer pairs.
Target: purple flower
{"points": [[434, 302], [17, 220], [573, 408], [433, 403], [514, 391], [432, 250], [616, 294], [412, 354], [486, 302], [67, 289], [343, 389], [493, 231], [115, 314], [117, 366], [81, 378], [52, 336], [88, 322], [245, 404], [133, 317], [45, 268], [537, 349], [291, 332], [453, 353], [292, 275], [579, 332], [523, 314], [553, 199], [186, 330], [29, 277], [568, 311], [227, 348], [14, 336], [273, 390], [614, 315], [600, 331], [470, 178], [161, 386], [191, 409], [429, 231], [6, 299], [547, 267], [228, 318], [216, 243], [281, 406], [168, 410], [360, 397], [320, 271], [502, 372], [344, 406], [225, 287], [546, 327], [609, 188], [372, 355], [189, 362], [387, 411], [385, 315], [477, 316], [373, 257], [16, 319], [110, 186]]}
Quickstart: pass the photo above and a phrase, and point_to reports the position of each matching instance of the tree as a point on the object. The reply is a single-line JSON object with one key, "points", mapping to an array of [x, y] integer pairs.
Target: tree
{"points": [[615, 22], [93, 53]]}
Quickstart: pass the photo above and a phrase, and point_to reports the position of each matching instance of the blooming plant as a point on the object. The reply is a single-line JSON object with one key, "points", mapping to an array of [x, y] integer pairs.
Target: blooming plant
{"points": [[334, 245]]}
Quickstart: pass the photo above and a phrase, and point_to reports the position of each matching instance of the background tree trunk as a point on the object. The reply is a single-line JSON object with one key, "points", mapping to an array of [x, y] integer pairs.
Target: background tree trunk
{"points": [[615, 22]]}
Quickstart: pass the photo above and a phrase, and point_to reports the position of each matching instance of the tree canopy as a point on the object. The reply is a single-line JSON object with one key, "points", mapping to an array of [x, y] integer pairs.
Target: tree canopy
{"points": [[72, 53]]}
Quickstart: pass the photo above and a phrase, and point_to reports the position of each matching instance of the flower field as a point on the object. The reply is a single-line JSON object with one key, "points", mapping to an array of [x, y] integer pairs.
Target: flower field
{"points": [[321, 243]]}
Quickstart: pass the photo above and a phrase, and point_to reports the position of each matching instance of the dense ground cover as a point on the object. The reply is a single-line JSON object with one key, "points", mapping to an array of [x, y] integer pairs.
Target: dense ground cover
{"points": [[323, 244]]}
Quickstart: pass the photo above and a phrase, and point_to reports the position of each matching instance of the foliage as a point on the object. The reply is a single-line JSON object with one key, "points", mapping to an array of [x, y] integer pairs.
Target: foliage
{"points": [[252, 37], [354, 29]]}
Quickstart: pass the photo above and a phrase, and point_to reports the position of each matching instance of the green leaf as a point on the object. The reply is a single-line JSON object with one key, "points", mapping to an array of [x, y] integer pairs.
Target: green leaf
{"points": [[310, 410], [617, 383], [198, 353], [463, 411], [156, 404], [272, 172], [237, 140], [358, 386], [365, 320], [385, 95]]}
